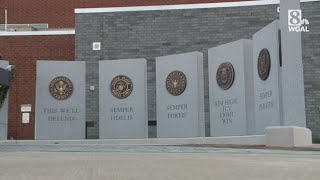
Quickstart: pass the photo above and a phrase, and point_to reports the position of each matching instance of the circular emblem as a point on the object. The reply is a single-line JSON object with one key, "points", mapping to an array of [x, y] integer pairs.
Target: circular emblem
{"points": [[121, 87], [225, 75], [264, 64], [61, 88], [176, 83]]}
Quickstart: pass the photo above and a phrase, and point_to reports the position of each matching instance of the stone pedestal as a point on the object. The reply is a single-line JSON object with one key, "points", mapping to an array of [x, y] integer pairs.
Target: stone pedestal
{"points": [[231, 88], [4, 111], [60, 100], [288, 136], [180, 95], [266, 65], [123, 99]]}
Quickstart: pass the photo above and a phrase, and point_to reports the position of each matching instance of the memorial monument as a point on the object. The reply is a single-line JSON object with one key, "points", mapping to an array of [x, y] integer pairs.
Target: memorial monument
{"points": [[266, 73], [180, 95], [231, 88], [60, 100], [292, 132], [278, 108], [292, 80], [123, 99]]}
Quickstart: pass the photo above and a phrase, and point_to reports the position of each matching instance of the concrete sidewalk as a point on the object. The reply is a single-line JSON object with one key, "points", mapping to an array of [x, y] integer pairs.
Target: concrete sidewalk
{"points": [[156, 166]]}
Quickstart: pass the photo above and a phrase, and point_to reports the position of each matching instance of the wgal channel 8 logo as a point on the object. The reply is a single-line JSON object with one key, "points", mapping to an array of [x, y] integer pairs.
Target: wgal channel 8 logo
{"points": [[295, 21], [295, 17]]}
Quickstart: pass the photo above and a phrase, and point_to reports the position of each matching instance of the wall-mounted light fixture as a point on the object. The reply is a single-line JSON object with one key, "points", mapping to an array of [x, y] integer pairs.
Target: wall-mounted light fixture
{"points": [[96, 46]]}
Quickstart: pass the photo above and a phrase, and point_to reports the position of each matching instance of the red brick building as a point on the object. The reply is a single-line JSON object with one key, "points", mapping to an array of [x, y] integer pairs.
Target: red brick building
{"points": [[60, 13], [24, 50]]}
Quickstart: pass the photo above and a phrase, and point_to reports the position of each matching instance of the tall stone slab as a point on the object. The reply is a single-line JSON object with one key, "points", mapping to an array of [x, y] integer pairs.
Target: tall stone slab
{"points": [[180, 95], [4, 110], [292, 90], [60, 100], [231, 88], [123, 99], [266, 67]]}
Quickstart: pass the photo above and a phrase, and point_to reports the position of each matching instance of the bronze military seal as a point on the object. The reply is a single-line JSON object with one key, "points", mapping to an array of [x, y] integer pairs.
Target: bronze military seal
{"points": [[61, 88], [225, 75], [121, 87], [176, 83], [264, 64]]}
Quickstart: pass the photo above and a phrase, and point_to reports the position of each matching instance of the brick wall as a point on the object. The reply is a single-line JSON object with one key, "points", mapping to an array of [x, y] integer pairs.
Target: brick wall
{"points": [[24, 51], [60, 13], [148, 34], [311, 65]]}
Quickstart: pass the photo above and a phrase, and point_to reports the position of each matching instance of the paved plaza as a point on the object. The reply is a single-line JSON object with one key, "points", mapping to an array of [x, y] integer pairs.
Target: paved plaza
{"points": [[145, 163]]}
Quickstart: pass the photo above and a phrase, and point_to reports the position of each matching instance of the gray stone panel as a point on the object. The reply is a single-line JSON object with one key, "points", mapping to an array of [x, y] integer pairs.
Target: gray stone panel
{"points": [[188, 106], [292, 81], [150, 34], [60, 119], [231, 109], [266, 92], [4, 110], [128, 117]]}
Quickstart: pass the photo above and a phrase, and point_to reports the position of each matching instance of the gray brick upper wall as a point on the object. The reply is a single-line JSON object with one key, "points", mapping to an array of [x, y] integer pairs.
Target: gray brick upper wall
{"points": [[148, 34], [311, 65]]}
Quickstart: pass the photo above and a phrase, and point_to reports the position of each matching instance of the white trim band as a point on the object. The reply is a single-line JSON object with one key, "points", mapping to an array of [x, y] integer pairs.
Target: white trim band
{"points": [[183, 6], [38, 33]]}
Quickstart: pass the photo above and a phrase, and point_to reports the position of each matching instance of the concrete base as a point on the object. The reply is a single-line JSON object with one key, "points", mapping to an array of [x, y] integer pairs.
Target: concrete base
{"points": [[285, 136], [232, 140], [288, 136]]}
